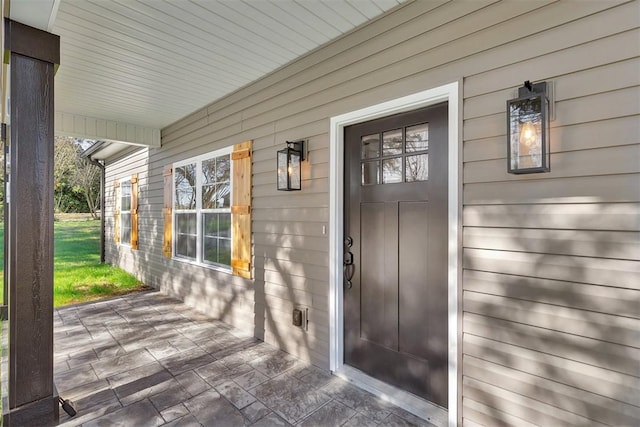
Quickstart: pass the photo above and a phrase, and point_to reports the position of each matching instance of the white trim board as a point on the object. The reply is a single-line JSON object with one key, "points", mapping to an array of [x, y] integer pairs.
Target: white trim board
{"points": [[448, 93]]}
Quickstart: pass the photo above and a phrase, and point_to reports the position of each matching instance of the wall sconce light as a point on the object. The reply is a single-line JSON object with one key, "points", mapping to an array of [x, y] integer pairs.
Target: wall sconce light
{"points": [[528, 130], [289, 166]]}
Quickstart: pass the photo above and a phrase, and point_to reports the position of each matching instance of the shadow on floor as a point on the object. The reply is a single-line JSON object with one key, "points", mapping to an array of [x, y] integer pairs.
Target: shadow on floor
{"points": [[147, 359]]}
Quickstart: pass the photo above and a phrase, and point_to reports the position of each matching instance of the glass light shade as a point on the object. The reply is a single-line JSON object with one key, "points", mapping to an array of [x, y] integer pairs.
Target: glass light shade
{"points": [[528, 134], [289, 170]]}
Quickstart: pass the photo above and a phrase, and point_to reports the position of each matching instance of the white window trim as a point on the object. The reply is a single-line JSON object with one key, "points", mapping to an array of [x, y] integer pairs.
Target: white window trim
{"points": [[198, 211], [449, 93], [122, 212]]}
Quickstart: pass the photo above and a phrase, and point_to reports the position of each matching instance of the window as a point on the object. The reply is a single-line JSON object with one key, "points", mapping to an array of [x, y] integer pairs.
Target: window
{"points": [[125, 212], [202, 209]]}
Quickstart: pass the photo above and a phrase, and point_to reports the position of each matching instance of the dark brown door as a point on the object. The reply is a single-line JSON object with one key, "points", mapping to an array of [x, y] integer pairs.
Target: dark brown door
{"points": [[395, 315]]}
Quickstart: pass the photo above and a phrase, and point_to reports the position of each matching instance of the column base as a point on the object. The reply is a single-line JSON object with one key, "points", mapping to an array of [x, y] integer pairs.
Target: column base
{"points": [[44, 412]]}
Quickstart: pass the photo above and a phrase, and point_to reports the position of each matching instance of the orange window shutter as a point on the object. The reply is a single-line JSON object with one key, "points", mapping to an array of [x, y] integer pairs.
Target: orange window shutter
{"points": [[116, 212], [241, 210], [167, 243], [134, 211]]}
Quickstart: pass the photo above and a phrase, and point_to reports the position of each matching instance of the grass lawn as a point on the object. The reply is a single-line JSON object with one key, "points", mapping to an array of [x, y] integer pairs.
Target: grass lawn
{"points": [[78, 275]]}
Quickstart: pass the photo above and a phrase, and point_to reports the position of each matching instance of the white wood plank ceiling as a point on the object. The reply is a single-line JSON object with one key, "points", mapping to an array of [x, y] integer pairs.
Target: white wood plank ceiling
{"points": [[151, 62]]}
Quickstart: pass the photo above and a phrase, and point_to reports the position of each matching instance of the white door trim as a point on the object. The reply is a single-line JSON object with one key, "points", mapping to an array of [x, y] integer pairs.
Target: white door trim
{"points": [[449, 93]]}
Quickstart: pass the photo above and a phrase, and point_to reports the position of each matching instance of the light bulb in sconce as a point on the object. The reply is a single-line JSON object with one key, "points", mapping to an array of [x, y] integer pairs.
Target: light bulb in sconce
{"points": [[529, 134]]}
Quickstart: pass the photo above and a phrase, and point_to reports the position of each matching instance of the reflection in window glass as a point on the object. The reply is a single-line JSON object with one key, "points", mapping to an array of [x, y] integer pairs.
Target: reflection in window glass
{"points": [[217, 238], [202, 209], [370, 173], [216, 184], [392, 142], [125, 196], [392, 170], [371, 146], [417, 138], [125, 212], [125, 228], [417, 168], [184, 179], [186, 234]]}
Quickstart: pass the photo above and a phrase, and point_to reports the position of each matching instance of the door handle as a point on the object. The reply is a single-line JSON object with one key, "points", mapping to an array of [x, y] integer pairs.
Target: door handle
{"points": [[348, 258], [349, 269]]}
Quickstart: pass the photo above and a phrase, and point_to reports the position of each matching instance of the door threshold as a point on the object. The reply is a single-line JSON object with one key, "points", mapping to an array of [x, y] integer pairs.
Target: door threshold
{"points": [[409, 402]]}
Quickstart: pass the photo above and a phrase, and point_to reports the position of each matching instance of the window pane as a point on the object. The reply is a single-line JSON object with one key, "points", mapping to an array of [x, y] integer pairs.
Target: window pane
{"points": [[185, 182], [186, 246], [223, 168], [209, 171], [186, 223], [217, 250], [125, 220], [223, 195], [210, 248], [392, 142], [125, 228], [417, 168], [186, 235], [371, 146], [209, 196], [224, 225], [224, 251], [210, 224], [216, 188], [392, 170], [417, 138], [125, 196], [370, 173]]}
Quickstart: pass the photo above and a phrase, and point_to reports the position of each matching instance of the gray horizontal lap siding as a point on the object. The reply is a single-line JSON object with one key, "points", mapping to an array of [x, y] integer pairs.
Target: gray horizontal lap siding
{"points": [[550, 261]]}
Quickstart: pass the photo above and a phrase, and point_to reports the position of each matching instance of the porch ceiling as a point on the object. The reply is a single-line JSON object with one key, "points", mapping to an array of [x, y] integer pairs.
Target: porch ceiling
{"points": [[148, 63]]}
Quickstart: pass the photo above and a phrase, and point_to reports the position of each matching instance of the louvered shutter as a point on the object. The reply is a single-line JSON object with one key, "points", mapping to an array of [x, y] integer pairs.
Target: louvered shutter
{"points": [[241, 210], [167, 245]]}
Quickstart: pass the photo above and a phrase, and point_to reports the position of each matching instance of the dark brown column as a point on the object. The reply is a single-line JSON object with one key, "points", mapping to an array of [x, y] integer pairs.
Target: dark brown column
{"points": [[33, 58]]}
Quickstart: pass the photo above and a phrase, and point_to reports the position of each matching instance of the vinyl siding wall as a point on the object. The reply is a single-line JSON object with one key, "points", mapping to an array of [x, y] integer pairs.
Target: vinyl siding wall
{"points": [[551, 262]]}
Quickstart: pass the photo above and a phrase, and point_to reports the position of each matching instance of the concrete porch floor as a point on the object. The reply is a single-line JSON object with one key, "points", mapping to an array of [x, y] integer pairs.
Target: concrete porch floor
{"points": [[149, 360]]}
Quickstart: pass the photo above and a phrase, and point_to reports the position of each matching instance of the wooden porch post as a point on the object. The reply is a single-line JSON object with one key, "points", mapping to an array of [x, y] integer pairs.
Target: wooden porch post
{"points": [[33, 55]]}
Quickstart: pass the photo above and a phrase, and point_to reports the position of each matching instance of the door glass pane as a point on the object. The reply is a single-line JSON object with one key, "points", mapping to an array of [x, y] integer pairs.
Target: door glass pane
{"points": [[370, 173], [371, 146], [392, 170], [417, 168], [392, 142], [418, 138]]}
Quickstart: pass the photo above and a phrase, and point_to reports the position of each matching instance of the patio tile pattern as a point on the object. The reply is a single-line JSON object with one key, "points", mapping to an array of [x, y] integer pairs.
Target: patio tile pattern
{"points": [[149, 360]]}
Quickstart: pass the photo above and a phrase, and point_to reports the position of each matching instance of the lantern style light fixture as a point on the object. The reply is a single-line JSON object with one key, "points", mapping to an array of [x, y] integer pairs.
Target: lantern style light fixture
{"points": [[289, 166], [528, 130]]}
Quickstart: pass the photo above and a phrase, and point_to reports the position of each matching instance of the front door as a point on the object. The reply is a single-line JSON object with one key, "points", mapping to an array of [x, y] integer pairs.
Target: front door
{"points": [[395, 310]]}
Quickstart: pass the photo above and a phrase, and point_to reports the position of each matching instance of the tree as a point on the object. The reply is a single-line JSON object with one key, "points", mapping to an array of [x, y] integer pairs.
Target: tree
{"points": [[64, 156], [77, 180], [86, 179]]}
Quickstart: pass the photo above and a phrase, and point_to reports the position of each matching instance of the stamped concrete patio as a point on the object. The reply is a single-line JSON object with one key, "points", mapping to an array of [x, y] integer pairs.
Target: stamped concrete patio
{"points": [[147, 359]]}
